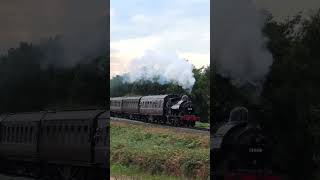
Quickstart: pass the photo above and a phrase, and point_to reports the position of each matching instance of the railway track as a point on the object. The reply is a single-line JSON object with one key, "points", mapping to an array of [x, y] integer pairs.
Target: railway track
{"points": [[180, 129]]}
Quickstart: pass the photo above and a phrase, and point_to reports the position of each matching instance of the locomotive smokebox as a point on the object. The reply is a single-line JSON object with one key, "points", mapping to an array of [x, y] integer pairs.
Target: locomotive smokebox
{"points": [[185, 98]]}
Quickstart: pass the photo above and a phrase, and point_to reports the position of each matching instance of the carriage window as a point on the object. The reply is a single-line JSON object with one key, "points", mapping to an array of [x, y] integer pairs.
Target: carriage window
{"points": [[2, 133], [71, 129], [48, 130], [85, 129], [21, 134], [5, 133], [1, 130], [54, 129], [26, 134], [79, 129], [14, 133], [17, 134], [9, 133], [59, 128], [30, 134]]}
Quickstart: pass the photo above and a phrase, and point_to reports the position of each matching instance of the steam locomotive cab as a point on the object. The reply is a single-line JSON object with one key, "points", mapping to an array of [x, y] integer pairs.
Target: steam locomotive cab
{"points": [[183, 106]]}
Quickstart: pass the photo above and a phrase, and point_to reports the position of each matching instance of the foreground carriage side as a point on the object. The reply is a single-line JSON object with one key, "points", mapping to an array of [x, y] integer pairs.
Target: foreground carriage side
{"points": [[57, 145]]}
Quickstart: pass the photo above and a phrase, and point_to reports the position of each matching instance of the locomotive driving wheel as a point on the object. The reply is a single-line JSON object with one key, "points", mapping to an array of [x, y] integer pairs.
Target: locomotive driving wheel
{"points": [[150, 118], [68, 172]]}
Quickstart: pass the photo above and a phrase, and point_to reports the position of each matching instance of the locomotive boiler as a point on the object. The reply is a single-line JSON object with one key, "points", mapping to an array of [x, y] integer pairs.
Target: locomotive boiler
{"points": [[164, 109]]}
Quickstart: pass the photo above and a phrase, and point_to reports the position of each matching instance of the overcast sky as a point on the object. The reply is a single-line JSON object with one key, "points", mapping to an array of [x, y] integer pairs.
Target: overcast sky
{"points": [[82, 23], [283, 8], [174, 25], [136, 25], [182, 26]]}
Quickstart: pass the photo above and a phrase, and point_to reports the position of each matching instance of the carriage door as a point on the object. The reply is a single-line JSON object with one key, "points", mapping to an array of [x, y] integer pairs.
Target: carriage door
{"points": [[102, 138]]}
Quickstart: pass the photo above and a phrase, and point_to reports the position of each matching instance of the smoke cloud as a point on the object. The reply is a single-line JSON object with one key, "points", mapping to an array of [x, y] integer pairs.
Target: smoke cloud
{"points": [[239, 46], [81, 25], [162, 68]]}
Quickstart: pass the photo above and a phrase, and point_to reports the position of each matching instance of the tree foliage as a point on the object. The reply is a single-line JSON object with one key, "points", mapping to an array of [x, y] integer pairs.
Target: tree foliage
{"points": [[29, 83]]}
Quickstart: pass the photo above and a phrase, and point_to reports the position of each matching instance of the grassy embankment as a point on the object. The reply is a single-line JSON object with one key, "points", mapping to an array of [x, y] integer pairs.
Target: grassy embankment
{"points": [[144, 152], [202, 125]]}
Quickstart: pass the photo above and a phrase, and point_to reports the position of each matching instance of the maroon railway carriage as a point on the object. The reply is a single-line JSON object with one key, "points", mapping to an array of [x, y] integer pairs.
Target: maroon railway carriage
{"points": [[116, 106], [131, 107], [59, 144]]}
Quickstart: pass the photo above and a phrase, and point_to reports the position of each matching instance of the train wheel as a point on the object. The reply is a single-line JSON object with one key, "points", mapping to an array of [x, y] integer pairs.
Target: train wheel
{"points": [[150, 118], [68, 172], [176, 122]]}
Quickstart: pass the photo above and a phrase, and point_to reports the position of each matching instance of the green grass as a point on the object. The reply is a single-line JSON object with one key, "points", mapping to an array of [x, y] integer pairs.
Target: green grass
{"points": [[202, 125], [133, 172], [158, 151]]}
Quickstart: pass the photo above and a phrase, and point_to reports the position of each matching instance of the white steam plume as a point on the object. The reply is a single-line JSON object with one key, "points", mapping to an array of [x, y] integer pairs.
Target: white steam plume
{"points": [[162, 68], [239, 46]]}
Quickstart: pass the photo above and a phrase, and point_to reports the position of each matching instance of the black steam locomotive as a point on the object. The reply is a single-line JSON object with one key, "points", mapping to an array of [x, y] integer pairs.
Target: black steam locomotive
{"points": [[240, 149], [164, 109], [55, 145]]}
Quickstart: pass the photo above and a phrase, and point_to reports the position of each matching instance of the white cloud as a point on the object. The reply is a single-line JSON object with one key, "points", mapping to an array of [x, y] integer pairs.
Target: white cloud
{"points": [[188, 36]]}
